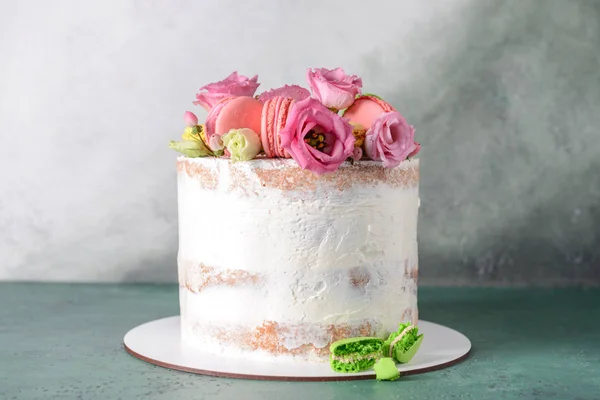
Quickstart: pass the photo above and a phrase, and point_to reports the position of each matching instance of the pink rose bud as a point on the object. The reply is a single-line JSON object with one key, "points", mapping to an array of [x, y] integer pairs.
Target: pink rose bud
{"points": [[357, 154], [333, 87], [190, 119], [233, 86], [390, 139], [318, 139], [216, 143]]}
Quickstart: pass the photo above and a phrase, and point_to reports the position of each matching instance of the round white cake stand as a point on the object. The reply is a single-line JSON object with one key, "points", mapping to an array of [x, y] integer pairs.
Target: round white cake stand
{"points": [[159, 343]]}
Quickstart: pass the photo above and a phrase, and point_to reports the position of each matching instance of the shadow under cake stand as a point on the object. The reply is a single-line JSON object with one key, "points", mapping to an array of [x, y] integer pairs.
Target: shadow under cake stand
{"points": [[159, 342]]}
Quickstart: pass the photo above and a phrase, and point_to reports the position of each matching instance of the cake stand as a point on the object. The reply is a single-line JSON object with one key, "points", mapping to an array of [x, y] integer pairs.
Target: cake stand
{"points": [[159, 342]]}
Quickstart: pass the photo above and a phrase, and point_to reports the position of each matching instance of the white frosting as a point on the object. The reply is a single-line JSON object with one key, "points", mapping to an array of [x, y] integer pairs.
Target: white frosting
{"points": [[290, 256]]}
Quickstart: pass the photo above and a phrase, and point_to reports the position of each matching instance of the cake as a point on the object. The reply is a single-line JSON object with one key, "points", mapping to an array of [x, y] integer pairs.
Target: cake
{"points": [[297, 218]]}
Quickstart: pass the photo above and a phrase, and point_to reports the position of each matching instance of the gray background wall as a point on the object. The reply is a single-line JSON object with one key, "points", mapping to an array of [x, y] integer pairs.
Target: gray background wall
{"points": [[505, 96]]}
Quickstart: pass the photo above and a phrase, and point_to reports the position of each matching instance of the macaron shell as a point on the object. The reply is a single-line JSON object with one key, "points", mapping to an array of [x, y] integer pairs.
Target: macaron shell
{"points": [[404, 357], [263, 127], [267, 120], [282, 114], [367, 109], [240, 112], [273, 136]]}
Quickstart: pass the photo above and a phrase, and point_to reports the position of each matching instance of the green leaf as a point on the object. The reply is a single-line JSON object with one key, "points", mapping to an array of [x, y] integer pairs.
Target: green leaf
{"points": [[191, 148]]}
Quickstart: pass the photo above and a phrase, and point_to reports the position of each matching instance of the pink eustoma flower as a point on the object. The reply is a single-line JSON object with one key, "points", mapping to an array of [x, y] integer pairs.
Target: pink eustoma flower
{"points": [[390, 139], [333, 87], [318, 139], [233, 86]]}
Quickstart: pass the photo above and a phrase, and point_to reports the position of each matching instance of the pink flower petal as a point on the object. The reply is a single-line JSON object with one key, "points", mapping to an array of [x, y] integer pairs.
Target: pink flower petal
{"points": [[310, 114], [233, 86], [390, 139], [333, 87]]}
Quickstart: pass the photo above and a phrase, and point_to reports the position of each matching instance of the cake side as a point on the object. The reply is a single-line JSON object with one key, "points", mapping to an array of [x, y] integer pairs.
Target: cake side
{"points": [[277, 261]]}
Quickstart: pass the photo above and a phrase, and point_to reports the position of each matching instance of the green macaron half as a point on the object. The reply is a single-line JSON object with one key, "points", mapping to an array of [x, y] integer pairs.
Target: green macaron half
{"points": [[355, 354], [403, 344]]}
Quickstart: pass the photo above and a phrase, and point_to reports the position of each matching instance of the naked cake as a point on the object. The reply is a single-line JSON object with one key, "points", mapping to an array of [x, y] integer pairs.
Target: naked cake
{"points": [[297, 218]]}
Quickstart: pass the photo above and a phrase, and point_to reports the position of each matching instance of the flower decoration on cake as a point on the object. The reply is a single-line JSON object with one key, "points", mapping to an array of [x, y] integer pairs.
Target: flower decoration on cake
{"points": [[334, 88], [193, 143], [320, 129], [390, 139], [190, 119], [316, 138], [233, 86], [243, 144]]}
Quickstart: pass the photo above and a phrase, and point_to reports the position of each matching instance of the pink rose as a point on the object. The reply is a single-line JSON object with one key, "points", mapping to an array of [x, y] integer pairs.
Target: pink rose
{"points": [[333, 87], [233, 86], [390, 139], [318, 139]]}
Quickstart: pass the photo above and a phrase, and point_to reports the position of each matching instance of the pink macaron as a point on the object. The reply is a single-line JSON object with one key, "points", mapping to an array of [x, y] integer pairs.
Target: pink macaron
{"points": [[236, 113], [367, 109], [282, 114], [274, 117]]}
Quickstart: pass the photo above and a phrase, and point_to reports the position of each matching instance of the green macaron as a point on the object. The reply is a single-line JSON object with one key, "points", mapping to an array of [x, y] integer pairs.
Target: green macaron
{"points": [[403, 344], [355, 354]]}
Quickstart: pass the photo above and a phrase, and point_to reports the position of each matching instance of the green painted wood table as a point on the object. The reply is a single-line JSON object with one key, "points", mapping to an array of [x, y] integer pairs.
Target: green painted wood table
{"points": [[61, 341]]}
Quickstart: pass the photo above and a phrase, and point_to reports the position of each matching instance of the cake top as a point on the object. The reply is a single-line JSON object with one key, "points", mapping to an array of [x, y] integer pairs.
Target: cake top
{"points": [[336, 124]]}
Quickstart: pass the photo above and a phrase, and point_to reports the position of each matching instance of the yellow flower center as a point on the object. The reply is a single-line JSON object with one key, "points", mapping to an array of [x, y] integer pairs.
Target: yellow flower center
{"points": [[316, 140]]}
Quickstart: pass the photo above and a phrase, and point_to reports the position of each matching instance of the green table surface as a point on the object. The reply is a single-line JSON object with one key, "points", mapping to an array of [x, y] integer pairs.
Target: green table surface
{"points": [[62, 341]]}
